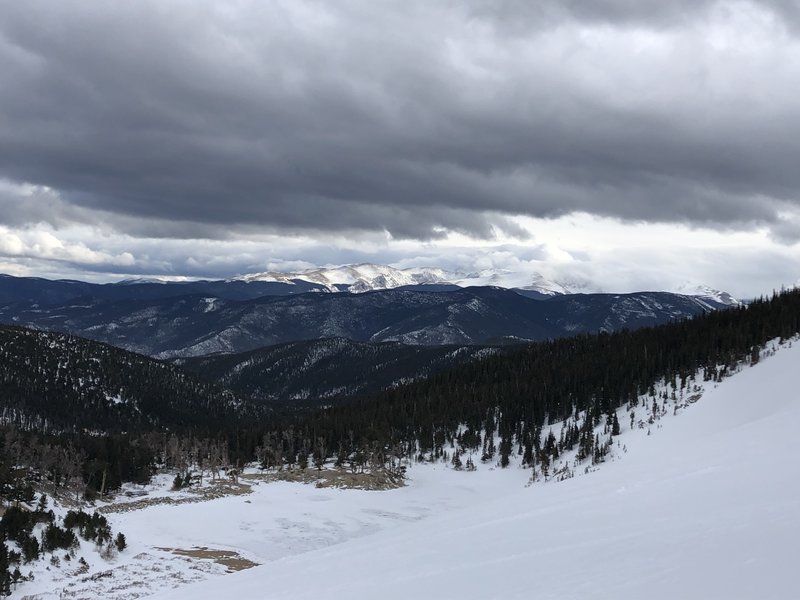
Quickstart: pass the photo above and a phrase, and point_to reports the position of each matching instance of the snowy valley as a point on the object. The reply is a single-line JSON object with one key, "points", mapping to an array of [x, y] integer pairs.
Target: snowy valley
{"points": [[687, 503], [469, 300]]}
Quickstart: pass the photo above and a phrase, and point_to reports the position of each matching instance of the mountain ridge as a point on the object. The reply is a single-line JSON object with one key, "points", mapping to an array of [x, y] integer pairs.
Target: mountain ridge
{"points": [[359, 278], [314, 372], [196, 325], [53, 382]]}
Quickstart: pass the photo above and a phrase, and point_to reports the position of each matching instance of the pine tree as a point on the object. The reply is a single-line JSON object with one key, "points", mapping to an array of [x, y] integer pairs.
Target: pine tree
{"points": [[457, 464]]}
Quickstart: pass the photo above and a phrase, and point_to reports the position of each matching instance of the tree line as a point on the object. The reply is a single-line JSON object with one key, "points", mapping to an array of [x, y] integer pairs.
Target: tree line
{"points": [[489, 408], [583, 379]]}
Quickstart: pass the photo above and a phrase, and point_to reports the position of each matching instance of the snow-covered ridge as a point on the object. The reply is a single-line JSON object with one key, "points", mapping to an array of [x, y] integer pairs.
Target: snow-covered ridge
{"points": [[504, 278], [367, 277], [160, 280], [356, 278], [706, 292]]}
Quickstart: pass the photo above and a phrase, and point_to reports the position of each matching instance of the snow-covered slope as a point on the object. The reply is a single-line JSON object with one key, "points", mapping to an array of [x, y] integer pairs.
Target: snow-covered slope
{"points": [[357, 278], [367, 277], [705, 292], [535, 282], [701, 506]]}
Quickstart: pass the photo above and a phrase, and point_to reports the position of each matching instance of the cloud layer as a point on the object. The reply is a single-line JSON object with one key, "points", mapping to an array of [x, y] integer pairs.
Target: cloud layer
{"points": [[403, 120], [406, 117]]}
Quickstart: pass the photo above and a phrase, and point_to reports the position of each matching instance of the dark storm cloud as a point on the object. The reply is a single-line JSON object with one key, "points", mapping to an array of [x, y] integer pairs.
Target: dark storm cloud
{"points": [[521, 15], [412, 117]]}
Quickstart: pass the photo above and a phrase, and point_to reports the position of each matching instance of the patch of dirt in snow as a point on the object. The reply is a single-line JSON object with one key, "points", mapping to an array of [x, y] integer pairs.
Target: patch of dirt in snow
{"points": [[227, 558], [334, 478], [326, 478], [218, 489]]}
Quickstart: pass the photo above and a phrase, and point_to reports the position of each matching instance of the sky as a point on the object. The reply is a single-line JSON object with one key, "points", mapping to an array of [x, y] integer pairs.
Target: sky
{"points": [[616, 144]]}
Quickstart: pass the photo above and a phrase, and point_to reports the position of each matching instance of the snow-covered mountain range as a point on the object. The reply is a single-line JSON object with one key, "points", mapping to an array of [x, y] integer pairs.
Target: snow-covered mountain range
{"points": [[366, 277], [359, 278], [363, 277], [425, 306]]}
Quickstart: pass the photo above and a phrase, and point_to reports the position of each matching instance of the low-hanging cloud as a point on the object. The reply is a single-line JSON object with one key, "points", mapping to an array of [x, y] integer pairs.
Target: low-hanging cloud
{"points": [[197, 120]]}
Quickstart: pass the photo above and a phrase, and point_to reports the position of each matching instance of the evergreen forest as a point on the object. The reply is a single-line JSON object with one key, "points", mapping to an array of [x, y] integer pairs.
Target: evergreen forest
{"points": [[81, 418]]}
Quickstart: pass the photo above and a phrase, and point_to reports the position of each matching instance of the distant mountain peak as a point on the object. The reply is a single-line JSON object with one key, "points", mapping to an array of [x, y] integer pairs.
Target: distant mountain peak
{"points": [[363, 277], [366, 277], [546, 286], [704, 291]]}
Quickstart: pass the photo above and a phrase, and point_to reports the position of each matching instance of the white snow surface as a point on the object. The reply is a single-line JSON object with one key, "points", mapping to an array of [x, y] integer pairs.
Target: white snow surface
{"points": [[703, 506], [359, 278], [705, 292], [510, 279], [368, 277]]}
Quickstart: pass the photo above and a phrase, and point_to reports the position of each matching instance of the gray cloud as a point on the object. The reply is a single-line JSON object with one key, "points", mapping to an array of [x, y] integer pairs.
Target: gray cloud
{"points": [[521, 16], [186, 120]]}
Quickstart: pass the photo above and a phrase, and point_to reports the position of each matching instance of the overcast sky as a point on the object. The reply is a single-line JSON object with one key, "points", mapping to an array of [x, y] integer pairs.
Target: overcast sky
{"points": [[624, 144]]}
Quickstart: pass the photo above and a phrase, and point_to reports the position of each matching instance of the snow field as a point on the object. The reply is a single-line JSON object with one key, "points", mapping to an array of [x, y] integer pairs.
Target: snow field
{"points": [[701, 506], [706, 507]]}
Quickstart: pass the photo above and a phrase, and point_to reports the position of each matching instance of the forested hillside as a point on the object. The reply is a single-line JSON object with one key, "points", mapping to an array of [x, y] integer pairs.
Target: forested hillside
{"points": [[316, 372], [45, 291], [581, 381], [497, 405], [196, 325], [51, 383]]}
